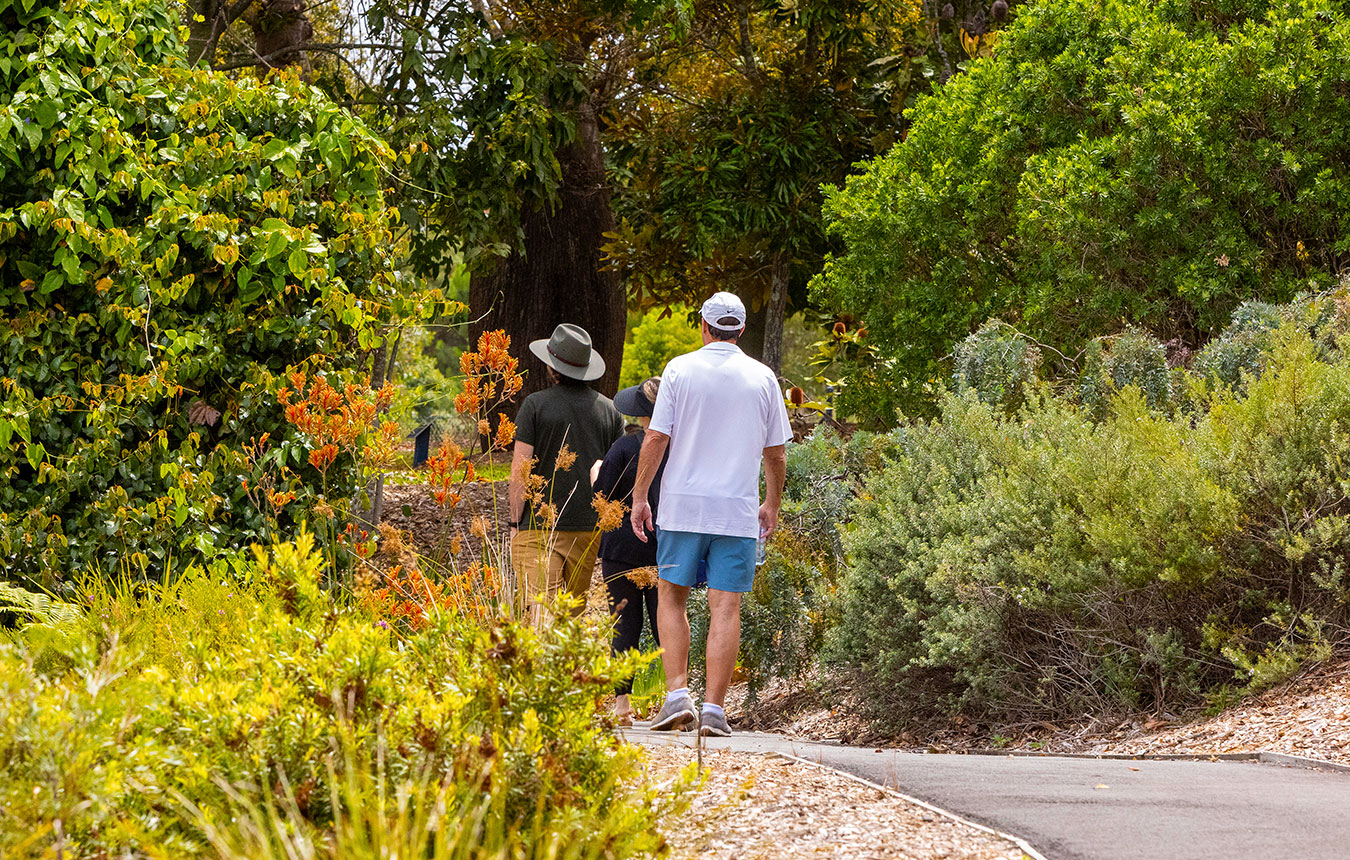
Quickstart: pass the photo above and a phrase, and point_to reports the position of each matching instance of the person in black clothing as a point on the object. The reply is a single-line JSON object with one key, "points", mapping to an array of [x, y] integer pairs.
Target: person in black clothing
{"points": [[620, 550]]}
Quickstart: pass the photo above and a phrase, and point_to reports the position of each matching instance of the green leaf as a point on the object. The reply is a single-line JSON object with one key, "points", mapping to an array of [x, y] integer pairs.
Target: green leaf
{"points": [[298, 263], [276, 243]]}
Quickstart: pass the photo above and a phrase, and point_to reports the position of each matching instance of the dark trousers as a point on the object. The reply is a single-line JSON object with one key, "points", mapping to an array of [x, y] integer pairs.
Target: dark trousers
{"points": [[626, 601]]}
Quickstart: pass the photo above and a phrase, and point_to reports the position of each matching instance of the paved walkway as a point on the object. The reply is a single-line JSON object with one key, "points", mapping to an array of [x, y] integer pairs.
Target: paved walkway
{"points": [[1103, 809]]}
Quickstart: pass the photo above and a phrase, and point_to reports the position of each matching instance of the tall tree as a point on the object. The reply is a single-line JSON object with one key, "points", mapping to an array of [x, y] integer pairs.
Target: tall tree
{"points": [[1112, 164], [724, 159], [500, 106], [279, 31]]}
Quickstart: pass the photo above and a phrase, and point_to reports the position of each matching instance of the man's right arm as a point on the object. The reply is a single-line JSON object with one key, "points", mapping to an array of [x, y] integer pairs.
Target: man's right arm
{"points": [[654, 445]]}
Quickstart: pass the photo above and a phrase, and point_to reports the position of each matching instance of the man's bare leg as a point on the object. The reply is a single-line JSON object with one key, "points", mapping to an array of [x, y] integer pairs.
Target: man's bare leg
{"points": [[672, 622], [724, 641]]}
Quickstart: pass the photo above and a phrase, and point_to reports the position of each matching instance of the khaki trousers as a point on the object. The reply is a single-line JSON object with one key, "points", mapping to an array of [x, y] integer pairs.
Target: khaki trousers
{"points": [[547, 562]]}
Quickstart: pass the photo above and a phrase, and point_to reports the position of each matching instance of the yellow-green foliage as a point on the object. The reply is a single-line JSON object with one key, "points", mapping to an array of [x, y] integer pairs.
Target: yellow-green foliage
{"points": [[168, 721], [655, 342], [171, 240]]}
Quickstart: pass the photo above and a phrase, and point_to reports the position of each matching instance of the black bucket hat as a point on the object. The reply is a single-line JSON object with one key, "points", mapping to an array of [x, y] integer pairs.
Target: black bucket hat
{"points": [[633, 401]]}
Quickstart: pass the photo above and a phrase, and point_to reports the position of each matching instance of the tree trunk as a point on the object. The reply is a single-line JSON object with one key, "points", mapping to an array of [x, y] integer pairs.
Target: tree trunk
{"points": [[279, 28], [558, 278], [204, 35], [776, 310]]}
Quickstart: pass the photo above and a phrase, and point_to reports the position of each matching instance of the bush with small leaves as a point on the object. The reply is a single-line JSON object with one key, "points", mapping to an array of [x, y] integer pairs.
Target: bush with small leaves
{"points": [[997, 363], [1131, 358], [184, 719], [1239, 348]]}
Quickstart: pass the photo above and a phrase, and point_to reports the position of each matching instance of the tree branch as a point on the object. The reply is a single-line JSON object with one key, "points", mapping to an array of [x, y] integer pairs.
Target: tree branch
{"points": [[484, 10], [747, 47]]}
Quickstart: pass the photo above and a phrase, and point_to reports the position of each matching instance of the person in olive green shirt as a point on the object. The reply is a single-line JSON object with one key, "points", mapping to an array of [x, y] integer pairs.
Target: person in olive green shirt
{"points": [[560, 432]]}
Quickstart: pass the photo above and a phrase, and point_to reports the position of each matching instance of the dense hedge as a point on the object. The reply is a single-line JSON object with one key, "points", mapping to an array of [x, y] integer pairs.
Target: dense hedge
{"points": [[170, 241], [1156, 163], [1127, 552]]}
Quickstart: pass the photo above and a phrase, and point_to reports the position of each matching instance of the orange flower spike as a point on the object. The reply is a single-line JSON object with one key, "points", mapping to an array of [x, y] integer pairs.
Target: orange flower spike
{"points": [[322, 458], [506, 433], [298, 381], [470, 473]]}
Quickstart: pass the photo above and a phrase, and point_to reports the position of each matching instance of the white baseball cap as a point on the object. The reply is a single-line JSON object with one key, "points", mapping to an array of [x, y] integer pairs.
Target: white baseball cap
{"points": [[723, 305]]}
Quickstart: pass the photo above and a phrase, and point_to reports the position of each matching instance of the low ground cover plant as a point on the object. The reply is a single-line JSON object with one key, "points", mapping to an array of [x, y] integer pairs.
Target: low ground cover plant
{"points": [[258, 715]]}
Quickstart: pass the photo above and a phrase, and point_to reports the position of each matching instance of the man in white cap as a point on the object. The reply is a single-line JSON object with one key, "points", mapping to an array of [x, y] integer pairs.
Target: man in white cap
{"points": [[720, 415], [560, 431]]}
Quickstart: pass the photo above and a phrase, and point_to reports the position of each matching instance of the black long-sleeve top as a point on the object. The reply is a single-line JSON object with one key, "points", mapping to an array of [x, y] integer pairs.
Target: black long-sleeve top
{"points": [[618, 474]]}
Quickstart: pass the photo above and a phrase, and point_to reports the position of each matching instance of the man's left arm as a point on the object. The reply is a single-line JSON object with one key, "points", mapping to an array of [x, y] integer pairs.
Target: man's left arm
{"points": [[775, 475]]}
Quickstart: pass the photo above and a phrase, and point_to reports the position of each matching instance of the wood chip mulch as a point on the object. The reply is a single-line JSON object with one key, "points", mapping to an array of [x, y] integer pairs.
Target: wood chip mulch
{"points": [[1309, 717], [757, 806], [409, 507]]}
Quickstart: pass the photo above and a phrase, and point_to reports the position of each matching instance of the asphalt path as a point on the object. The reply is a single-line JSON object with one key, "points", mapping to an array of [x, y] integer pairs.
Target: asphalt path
{"points": [[1102, 809]]}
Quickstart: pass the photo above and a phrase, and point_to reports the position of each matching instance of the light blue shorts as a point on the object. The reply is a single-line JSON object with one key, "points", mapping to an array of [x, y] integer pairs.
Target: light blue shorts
{"points": [[730, 560]]}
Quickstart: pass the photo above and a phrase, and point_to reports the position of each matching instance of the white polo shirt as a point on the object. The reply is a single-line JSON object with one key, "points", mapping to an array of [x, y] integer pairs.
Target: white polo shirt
{"points": [[721, 409]]}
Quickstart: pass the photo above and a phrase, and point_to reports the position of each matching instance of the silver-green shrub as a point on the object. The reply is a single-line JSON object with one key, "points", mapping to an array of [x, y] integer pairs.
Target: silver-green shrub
{"points": [[1055, 562], [996, 362], [1132, 358]]}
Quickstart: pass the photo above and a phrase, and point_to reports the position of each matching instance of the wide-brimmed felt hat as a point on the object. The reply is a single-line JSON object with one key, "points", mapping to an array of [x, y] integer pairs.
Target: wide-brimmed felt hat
{"points": [[569, 352], [633, 401]]}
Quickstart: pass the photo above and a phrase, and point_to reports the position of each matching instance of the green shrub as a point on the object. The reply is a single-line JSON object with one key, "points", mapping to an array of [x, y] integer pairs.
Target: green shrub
{"points": [[170, 720], [1062, 560], [1239, 348], [1111, 161], [1131, 358], [171, 241], [656, 340], [1041, 564], [997, 363], [785, 617]]}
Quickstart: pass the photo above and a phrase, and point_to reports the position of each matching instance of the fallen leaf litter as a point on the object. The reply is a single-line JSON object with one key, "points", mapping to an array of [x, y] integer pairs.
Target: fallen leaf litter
{"points": [[757, 806]]}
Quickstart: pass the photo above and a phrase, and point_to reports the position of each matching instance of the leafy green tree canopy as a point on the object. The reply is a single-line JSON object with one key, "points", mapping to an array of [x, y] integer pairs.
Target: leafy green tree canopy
{"points": [[1113, 163], [170, 240]]}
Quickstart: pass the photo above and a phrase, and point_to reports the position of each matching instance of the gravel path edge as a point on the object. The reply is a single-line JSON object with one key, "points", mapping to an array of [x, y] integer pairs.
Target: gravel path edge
{"points": [[1026, 848]]}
